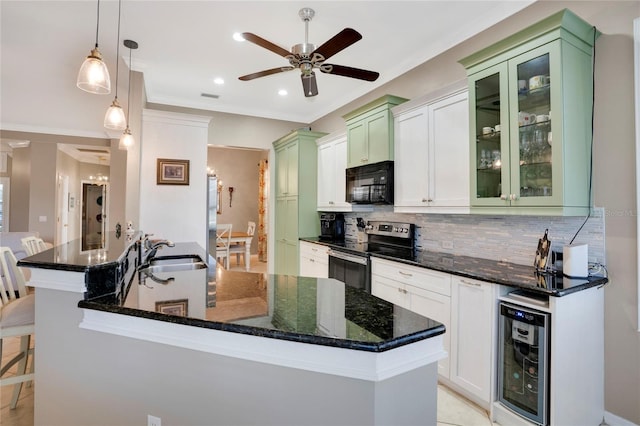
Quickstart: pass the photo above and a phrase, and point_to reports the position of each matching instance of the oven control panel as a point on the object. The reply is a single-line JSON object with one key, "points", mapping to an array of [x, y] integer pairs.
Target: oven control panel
{"points": [[392, 229]]}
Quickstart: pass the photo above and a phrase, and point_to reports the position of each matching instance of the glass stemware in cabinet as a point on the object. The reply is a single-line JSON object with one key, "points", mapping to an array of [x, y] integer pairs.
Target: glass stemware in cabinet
{"points": [[534, 121]]}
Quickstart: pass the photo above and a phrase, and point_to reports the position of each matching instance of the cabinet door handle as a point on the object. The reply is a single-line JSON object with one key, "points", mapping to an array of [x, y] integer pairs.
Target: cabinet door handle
{"points": [[364, 160], [406, 274], [427, 200], [513, 197], [330, 202], [471, 283], [402, 290], [503, 196], [314, 249], [312, 260]]}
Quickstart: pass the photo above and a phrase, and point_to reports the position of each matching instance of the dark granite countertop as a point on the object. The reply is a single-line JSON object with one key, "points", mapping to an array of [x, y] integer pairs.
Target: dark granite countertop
{"points": [[300, 309], [72, 256], [505, 273]]}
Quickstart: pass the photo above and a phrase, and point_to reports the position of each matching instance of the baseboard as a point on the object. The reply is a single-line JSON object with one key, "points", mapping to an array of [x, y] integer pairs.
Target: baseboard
{"points": [[613, 420]]}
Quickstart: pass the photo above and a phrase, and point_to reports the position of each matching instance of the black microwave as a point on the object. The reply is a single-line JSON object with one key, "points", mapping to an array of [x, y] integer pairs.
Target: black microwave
{"points": [[370, 184]]}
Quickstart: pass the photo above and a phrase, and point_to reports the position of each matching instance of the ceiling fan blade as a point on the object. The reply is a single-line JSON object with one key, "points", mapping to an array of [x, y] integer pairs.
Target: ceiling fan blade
{"points": [[338, 42], [349, 72], [266, 44], [309, 84], [264, 73]]}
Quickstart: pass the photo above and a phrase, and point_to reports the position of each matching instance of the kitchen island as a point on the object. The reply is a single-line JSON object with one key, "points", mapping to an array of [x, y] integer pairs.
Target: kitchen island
{"points": [[266, 349]]}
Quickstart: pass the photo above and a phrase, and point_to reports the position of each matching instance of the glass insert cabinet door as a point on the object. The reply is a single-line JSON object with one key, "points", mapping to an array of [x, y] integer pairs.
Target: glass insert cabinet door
{"points": [[514, 160], [532, 153], [490, 136]]}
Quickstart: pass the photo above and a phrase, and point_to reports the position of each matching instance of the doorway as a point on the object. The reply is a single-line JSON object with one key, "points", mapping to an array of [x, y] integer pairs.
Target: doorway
{"points": [[242, 175], [63, 210], [4, 204], [94, 217]]}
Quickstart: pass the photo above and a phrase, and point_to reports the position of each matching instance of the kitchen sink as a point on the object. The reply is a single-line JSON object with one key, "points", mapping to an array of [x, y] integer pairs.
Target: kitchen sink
{"points": [[173, 264]]}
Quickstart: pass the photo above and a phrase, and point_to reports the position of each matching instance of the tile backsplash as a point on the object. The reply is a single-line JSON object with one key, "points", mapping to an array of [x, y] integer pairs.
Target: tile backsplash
{"points": [[504, 238]]}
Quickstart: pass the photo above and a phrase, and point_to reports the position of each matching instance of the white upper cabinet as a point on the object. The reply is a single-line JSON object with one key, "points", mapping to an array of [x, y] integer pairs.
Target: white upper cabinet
{"points": [[431, 153], [332, 163]]}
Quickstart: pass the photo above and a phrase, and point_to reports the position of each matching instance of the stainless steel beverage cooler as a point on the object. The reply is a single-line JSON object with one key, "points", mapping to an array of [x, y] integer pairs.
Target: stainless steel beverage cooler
{"points": [[523, 360]]}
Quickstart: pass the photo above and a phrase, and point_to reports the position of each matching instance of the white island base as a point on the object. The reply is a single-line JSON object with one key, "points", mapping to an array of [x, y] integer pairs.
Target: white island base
{"points": [[97, 368]]}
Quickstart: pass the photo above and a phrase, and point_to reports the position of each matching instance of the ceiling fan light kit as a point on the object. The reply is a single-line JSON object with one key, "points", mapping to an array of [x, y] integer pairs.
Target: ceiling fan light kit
{"points": [[93, 76], [306, 57]]}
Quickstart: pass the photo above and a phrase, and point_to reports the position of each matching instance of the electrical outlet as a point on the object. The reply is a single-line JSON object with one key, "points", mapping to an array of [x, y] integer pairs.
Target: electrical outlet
{"points": [[153, 420], [447, 244]]}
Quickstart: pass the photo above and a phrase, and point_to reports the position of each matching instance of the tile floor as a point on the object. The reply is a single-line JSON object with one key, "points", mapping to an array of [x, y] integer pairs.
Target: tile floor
{"points": [[453, 410]]}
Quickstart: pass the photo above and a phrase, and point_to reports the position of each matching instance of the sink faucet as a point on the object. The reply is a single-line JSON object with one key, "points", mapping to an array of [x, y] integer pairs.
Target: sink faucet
{"points": [[152, 248]]}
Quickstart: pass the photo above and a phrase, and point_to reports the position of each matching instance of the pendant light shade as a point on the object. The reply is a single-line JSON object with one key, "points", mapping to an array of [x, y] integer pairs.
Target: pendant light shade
{"points": [[127, 140], [114, 118], [93, 76]]}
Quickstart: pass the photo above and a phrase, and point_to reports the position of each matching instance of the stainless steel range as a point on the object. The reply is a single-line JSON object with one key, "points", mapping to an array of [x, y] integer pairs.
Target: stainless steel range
{"points": [[350, 262]]}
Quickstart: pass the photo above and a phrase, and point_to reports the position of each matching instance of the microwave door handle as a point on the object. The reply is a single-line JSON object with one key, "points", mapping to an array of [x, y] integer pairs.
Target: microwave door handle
{"points": [[349, 258]]}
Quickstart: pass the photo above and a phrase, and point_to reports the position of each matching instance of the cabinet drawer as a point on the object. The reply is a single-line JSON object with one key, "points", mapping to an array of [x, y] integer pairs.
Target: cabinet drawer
{"points": [[389, 290], [314, 250], [421, 278]]}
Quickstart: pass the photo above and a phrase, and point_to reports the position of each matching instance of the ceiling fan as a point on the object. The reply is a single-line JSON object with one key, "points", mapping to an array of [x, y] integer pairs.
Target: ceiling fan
{"points": [[306, 57]]}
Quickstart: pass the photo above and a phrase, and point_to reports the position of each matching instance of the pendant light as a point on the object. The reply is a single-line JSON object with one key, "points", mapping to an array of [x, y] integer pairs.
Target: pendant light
{"points": [[93, 76], [114, 118], [127, 140]]}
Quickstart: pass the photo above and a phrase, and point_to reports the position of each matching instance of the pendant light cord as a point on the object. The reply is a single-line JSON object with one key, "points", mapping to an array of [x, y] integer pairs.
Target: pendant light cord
{"points": [[118, 47], [97, 23], [129, 89]]}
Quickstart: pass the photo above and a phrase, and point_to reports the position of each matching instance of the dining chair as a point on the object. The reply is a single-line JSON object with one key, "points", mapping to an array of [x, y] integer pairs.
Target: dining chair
{"points": [[16, 320], [240, 249], [33, 245], [223, 242]]}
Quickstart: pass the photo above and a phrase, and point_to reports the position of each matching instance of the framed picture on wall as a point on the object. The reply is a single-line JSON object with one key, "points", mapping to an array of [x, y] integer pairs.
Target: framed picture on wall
{"points": [[172, 172], [178, 307]]}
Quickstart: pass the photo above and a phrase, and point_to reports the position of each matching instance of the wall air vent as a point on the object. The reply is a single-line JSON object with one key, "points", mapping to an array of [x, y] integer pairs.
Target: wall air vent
{"points": [[209, 95]]}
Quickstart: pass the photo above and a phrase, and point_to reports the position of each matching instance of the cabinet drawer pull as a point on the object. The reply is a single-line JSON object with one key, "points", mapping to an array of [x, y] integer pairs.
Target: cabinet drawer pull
{"points": [[406, 274], [314, 249], [312, 260], [470, 283], [331, 202], [402, 290]]}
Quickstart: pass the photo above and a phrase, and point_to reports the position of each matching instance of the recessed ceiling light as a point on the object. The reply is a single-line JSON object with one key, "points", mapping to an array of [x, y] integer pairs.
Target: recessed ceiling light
{"points": [[218, 80], [282, 92], [238, 37]]}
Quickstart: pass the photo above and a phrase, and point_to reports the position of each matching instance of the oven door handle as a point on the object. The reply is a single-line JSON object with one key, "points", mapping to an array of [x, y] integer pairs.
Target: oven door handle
{"points": [[349, 258]]}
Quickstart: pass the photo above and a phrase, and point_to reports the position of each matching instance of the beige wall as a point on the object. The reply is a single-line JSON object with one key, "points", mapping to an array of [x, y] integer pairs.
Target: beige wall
{"points": [[232, 130], [614, 166], [20, 189]]}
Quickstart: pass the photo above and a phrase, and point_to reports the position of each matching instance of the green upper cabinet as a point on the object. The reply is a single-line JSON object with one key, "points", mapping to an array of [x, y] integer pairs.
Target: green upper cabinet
{"points": [[370, 132], [295, 206], [530, 99]]}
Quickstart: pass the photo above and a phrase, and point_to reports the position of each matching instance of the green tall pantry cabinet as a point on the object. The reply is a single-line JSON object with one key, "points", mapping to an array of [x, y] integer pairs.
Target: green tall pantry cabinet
{"points": [[530, 99], [296, 197]]}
